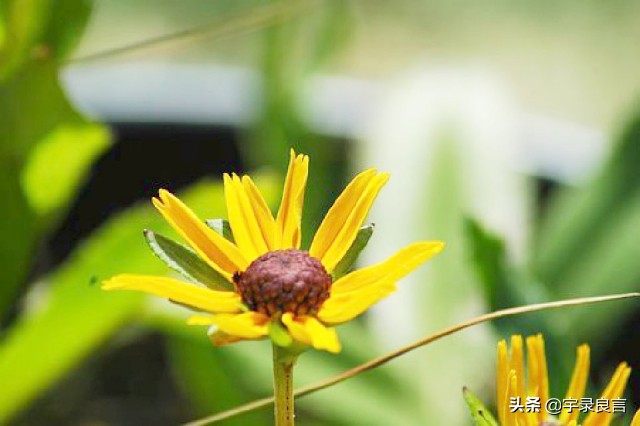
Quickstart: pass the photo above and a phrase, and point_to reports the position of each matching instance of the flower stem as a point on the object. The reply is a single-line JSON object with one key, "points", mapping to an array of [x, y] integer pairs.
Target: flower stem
{"points": [[283, 362]]}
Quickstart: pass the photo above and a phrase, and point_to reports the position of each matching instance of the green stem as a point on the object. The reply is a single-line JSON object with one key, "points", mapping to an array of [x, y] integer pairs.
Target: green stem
{"points": [[283, 362]]}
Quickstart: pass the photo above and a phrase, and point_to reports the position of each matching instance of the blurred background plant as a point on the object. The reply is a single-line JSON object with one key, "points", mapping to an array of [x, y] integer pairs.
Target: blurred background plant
{"points": [[510, 130]]}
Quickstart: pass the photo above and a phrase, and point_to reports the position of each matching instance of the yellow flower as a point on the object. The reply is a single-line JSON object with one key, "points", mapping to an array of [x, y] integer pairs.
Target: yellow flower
{"points": [[276, 285], [512, 386]]}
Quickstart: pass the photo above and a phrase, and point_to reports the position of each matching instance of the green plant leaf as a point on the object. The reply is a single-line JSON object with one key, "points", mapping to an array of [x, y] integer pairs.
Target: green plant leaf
{"points": [[184, 261], [75, 317], [42, 107], [222, 227], [18, 230], [578, 218], [25, 24], [350, 257], [39, 30], [78, 145], [502, 284], [609, 265], [588, 242], [479, 413], [67, 21], [487, 254], [3, 28]]}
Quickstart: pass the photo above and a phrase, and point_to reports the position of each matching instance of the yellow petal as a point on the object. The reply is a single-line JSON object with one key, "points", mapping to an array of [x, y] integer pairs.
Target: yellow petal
{"points": [[614, 389], [345, 307], [578, 382], [200, 320], [357, 291], [310, 331], [338, 213], [502, 396], [341, 224], [242, 219], [219, 338], [516, 364], [178, 291], [511, 419], [290, 212], [636, 419], [517, 383], [538, 374], [400, 264], [263, 215], [217, 251], [247, 325]]}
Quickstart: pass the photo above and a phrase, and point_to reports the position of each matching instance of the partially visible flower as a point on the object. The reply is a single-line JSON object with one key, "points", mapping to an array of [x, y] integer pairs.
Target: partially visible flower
{"points": [[513, 387], [274, 287]]}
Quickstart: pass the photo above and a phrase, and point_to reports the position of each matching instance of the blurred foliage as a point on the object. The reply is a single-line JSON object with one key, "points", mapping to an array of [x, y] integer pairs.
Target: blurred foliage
{"points": [[35, 117], [502, 284], [61, 181], [586, 246]]}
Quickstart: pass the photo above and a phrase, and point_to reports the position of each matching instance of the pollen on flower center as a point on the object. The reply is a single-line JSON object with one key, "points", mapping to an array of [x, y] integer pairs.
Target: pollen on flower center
{"points": [[284, 281]]}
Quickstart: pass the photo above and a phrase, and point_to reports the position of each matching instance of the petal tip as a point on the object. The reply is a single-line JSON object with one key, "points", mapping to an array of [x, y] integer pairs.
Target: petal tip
{"points": [[157, 203], [164, 194]]}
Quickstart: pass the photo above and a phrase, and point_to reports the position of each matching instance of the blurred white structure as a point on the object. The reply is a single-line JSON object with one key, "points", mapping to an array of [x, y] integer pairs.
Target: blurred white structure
{"points": [[150, 92]]}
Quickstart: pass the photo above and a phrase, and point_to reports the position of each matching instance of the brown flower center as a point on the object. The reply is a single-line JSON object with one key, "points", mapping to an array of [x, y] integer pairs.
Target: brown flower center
{"points": [[284, 281]]}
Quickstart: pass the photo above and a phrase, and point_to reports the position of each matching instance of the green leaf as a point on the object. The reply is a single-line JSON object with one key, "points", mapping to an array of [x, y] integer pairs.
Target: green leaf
{"points": [[49, 188], [479, 413], [25, 24], [42, 107], [18, 230], [577, 218], [184, 261], [37, 30], [487, 254], [3, 28], [75, 317], [361, 241], [222, 227], [279, 335], [588, 243], [502, 285], [66, 25], [609, 265]]}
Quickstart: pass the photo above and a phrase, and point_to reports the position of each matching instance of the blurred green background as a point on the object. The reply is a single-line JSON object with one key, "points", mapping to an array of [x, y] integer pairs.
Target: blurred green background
{"points": [[511, 131]]}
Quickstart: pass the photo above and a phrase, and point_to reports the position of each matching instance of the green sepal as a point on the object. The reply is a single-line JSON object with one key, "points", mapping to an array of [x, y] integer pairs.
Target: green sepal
{"points": [[350, 257], [479, 413], [222, 227], [184, 261], [279, 334]]}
